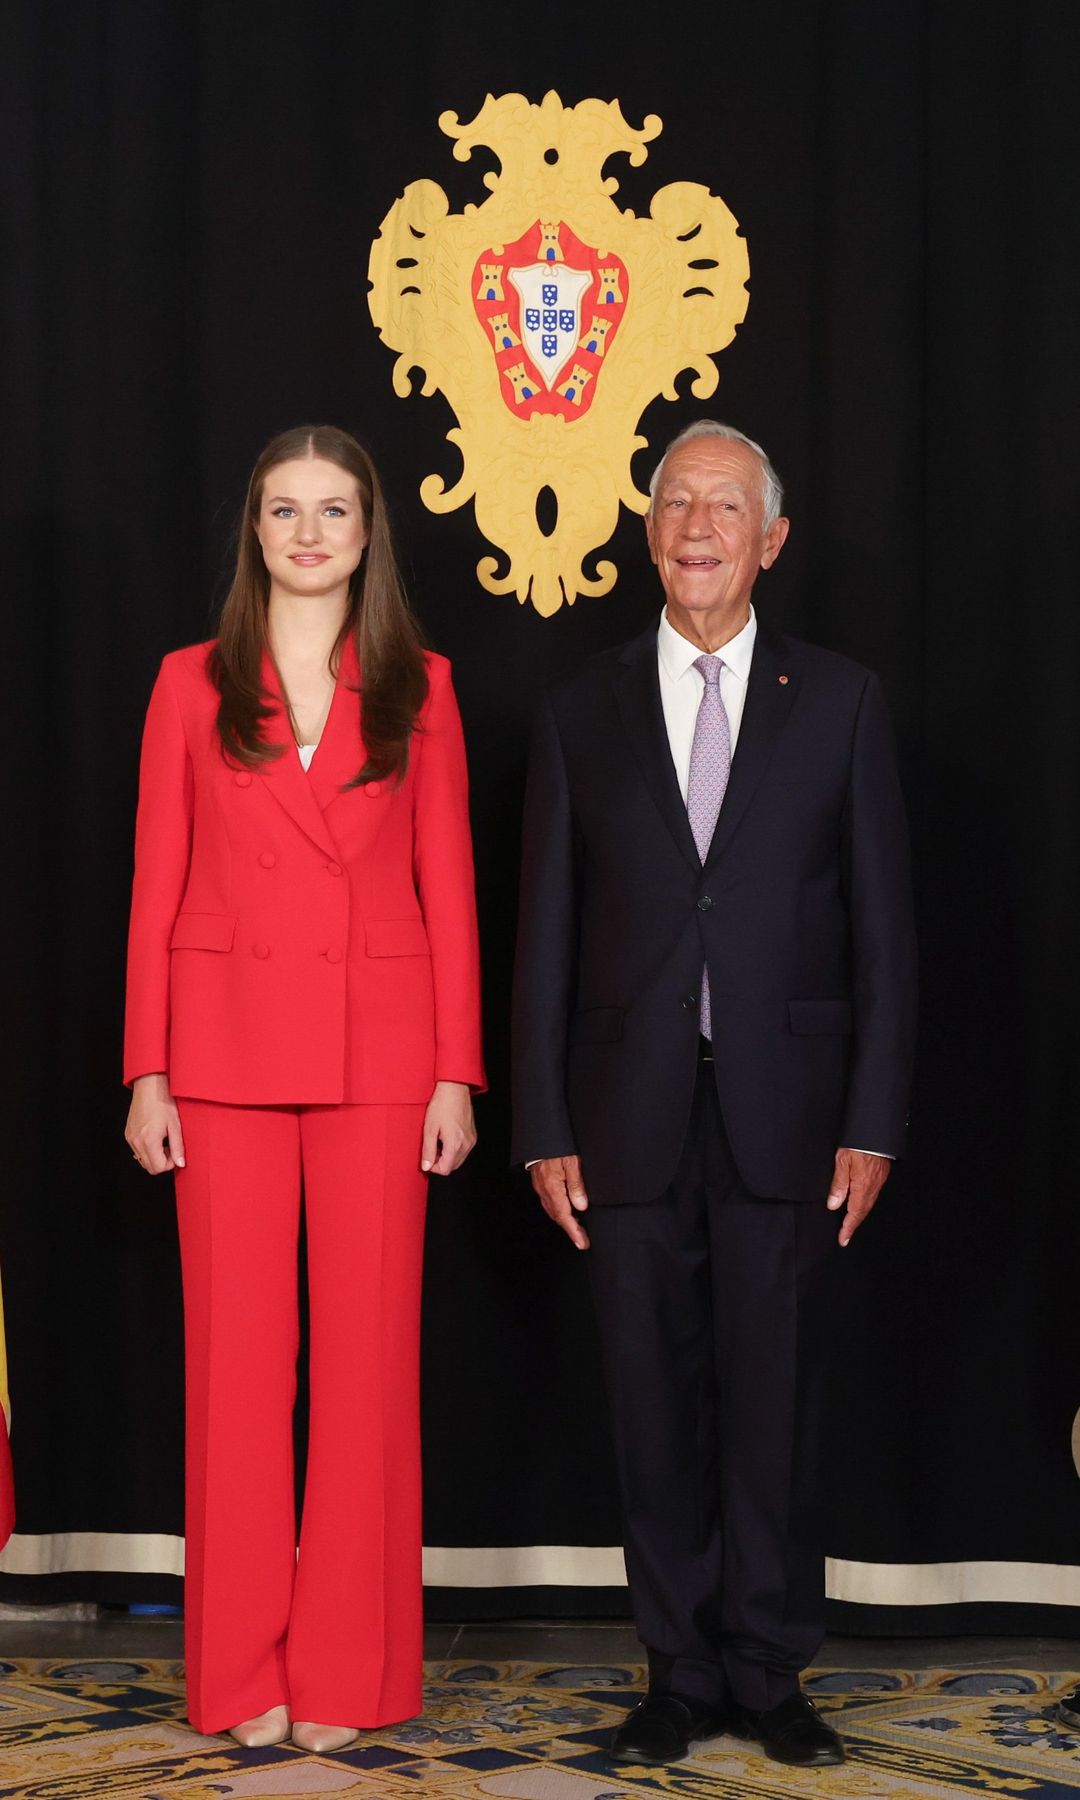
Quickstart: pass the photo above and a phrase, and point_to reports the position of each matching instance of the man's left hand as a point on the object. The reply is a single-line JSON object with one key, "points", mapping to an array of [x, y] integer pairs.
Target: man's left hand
{"points": [[858, 1178]]}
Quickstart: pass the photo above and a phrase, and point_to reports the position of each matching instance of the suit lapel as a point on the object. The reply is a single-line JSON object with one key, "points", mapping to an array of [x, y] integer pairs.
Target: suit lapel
{"points": [[768, 705], [285, 775], [637, 696]]}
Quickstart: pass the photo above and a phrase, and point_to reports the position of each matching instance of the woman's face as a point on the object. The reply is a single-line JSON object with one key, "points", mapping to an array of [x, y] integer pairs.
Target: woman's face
{"points": [[311, 526]]}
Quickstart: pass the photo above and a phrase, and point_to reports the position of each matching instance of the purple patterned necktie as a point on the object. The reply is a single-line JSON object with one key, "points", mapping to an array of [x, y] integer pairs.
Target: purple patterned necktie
{"points": [[710, 767]]}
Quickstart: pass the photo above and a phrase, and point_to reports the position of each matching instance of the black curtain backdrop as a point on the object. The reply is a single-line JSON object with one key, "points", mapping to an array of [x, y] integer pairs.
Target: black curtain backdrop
{"points": [[192, 190]]}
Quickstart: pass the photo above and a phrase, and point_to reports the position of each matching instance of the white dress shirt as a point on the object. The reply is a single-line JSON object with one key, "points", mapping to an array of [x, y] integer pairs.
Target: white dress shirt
{"points": [[681, 687]]}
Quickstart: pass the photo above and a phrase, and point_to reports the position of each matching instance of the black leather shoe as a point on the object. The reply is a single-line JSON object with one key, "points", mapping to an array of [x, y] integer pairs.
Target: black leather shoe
{"points": [[661, 1729], [1068, 1708], [793, 1732]]}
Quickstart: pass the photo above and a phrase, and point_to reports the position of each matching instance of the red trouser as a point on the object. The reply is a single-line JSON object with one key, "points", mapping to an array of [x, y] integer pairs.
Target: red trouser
{"points": [[335, 1633]]}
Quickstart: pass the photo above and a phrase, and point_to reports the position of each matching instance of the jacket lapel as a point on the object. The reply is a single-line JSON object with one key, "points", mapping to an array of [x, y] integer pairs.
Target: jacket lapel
{"points": [[773, 685], [285, 776], [637, 696], [340, 754]]}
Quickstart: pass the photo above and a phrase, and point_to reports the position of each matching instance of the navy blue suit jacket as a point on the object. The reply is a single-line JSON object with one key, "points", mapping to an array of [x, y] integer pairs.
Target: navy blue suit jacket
{"points": [[802, 912]]}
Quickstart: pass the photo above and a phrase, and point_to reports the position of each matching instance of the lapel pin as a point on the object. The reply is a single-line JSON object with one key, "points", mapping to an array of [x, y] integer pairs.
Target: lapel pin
{"points": [[783, 680]]}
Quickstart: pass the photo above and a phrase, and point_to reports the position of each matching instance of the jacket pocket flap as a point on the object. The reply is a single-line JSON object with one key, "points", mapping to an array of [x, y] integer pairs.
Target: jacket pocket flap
{"points": [[397, 937], [813, 1018], [203, 931], [598, 1025]]}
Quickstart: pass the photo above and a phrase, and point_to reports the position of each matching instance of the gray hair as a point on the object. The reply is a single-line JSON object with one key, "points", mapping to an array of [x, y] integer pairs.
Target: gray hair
{"points": [[772, 491]]}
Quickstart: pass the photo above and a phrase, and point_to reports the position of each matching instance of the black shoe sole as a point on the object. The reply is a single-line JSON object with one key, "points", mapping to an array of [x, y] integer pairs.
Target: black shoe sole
{"points": [[662, 1762], [824, 1759], [821, 1759], [635, 1757]]}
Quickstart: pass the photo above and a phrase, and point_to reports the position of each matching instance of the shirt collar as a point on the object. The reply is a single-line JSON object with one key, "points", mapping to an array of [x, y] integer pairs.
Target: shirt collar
{"points": [[678, 654]]}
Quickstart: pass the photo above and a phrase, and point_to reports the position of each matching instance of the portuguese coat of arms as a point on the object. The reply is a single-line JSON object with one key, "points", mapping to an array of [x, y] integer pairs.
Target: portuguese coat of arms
{"points": [[550, 320]]}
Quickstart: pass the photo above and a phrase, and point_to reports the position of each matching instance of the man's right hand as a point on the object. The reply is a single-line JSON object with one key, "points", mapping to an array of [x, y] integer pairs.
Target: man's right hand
{"points": [[557, 1180], [153, 1125]]}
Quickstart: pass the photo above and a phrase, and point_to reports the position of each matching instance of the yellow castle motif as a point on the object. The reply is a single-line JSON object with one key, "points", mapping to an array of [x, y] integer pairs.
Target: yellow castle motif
{"points": [[575, 387], [550, 247], [432, 273], [503, 332], [593, 338], [490, 286]]}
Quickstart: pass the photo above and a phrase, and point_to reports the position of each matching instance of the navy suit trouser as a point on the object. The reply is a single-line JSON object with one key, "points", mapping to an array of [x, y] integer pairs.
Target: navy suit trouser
{"points": [[710, 1303]]}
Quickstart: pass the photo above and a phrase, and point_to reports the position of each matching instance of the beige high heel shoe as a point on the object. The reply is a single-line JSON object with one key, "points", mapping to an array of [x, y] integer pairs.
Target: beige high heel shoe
{"points": [[266, 1728], [323, 1739]]}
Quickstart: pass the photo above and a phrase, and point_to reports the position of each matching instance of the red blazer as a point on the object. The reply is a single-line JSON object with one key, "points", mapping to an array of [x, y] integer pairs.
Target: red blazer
{"points": [[293, 941]]}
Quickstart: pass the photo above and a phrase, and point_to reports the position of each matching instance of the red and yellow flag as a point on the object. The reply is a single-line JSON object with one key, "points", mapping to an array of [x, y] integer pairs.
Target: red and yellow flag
{"points": [[7, 1480]]}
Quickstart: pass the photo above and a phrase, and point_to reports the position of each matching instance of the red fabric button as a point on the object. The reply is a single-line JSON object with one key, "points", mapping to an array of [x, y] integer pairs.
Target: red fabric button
{"points": [[262, 951], [374, 789], [267, 859], [243, 778], [333, 956], [333, 868]]}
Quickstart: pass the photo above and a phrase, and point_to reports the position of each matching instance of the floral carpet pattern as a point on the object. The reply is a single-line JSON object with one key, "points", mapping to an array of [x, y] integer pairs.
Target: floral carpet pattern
{"points": [[532, 1731]]}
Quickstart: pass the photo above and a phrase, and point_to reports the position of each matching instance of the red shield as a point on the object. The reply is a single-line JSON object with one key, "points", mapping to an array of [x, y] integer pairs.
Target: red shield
{"points": [[527, 319]]}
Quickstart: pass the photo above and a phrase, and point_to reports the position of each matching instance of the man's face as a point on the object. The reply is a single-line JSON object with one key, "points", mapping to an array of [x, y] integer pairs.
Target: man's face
{"points": [[704, 530]]}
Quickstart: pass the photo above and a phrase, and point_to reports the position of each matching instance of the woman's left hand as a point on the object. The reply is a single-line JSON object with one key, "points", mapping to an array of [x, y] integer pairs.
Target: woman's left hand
{"points": [[449, 1132]]}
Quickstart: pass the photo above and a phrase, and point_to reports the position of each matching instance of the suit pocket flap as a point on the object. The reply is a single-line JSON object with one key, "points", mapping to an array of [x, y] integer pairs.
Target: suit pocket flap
{"points": [[813, 1018], [598, 1025], [203, 931], [397, 937]]}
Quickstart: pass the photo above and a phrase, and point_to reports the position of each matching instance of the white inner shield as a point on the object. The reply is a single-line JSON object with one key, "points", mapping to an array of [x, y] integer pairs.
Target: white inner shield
{"points": [[550, 295]]}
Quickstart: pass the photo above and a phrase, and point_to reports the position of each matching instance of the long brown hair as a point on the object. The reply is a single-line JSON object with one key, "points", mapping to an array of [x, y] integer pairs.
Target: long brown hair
{"points": [[389, 645]]}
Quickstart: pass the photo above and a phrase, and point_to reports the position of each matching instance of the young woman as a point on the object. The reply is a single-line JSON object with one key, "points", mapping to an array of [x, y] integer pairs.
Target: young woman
{"points": [[303, 1016]]}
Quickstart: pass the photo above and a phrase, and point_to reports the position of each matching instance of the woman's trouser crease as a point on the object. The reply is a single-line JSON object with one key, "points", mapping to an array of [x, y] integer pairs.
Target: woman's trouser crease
{"points": [[335, 1631]]}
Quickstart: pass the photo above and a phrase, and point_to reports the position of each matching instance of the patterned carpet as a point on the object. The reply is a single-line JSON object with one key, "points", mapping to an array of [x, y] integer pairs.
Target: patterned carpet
{"points": [[530, 1731]]}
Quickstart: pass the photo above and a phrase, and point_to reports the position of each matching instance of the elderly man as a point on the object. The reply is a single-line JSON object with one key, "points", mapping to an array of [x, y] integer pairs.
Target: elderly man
{"points": [[714, 1015]]}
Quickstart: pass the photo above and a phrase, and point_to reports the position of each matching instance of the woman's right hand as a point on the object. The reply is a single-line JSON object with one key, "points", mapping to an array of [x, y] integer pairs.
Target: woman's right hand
{"points": [[153, 1125]]}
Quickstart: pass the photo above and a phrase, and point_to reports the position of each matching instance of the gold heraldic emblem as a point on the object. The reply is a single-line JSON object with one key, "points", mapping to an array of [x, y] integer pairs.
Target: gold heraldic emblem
{"points": [[550, 319]]}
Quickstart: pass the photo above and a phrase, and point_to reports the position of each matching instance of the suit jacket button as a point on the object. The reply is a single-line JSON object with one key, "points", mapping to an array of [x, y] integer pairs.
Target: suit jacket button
{"points": [[690, 1003], [374, 788], [705, 902], [333, 955], [267, 859], [333, 868], [262, 951], [243, 778]]}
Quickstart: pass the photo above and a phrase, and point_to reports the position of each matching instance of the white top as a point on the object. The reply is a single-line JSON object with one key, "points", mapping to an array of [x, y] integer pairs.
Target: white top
{"points": [[681, 687], [305, 752]]}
